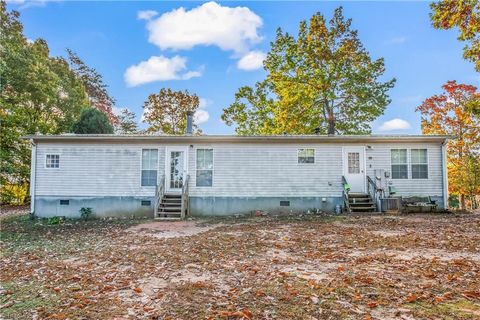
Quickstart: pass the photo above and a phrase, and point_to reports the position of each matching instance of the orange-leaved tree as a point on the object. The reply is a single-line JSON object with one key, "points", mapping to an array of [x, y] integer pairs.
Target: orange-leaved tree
{"points": [[450, 113], [464, 15]]}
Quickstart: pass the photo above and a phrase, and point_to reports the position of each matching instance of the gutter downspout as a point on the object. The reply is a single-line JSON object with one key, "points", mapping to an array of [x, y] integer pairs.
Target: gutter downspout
{"points": [[445, 174], [33, 174]]}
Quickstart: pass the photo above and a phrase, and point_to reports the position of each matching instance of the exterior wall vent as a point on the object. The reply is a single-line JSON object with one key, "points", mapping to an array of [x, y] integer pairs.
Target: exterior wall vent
{"points": [[146, 202], [284, 203], [64, 202]]}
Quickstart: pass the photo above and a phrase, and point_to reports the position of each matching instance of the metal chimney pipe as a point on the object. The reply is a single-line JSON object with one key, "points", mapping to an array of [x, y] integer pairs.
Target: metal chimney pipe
{"points": [[189, 129]]}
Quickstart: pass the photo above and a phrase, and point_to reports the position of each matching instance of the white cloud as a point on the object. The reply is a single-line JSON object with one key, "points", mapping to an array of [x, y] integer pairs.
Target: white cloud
{"points": [[395, 124], [397, 40], [192, 74], [159, 68], [251, 61], [146, 14], [201, 116], [25, 4], [230, 29]]}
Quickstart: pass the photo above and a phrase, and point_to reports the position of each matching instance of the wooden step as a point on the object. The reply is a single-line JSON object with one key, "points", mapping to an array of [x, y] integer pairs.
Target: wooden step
{"points": [[359, 200], [169, 209], [171, 203], [172, 196], [358, 195], [361, 203], [170, 214], [364, 208]]}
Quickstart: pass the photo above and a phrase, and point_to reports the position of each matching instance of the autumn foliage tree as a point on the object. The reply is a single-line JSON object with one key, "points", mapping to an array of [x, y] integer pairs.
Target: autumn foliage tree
{"points": [[126, 123], [166, 111], [39, 94], [322, 78], [449, 113], [465, 15], [95, 88]]}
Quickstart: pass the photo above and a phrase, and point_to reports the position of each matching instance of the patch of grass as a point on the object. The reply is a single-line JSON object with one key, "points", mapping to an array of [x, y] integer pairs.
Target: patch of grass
{"points": [[22, 299], [22, 233], [461, 308]]}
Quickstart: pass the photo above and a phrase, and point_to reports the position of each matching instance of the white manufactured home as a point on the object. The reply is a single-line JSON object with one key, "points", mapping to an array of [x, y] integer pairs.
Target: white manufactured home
{"points": [[174, 176]]}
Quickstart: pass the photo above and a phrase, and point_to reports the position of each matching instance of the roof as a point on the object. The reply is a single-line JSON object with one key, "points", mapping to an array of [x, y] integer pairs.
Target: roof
{"points": [[236, 138]]}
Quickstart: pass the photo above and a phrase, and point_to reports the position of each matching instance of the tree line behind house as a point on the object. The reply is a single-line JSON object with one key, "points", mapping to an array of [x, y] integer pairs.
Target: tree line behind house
{"points": [[322, 80]]}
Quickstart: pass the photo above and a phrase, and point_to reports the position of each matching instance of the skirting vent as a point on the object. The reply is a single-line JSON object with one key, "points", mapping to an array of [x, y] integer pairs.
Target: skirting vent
{"points": [[284, 203]]}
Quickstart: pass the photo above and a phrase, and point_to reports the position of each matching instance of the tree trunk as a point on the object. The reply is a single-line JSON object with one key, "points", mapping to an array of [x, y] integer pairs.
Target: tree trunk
{"points": [[331, 121], [462, 201]]}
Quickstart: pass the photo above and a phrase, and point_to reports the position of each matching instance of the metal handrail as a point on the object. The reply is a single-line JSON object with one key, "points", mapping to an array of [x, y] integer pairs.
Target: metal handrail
{"points": [[159, 195], [185, 208], [346, 190]]}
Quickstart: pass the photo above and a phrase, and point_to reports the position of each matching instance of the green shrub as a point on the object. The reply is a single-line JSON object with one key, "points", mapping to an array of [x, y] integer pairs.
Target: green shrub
{"points": [[55, 220], [85, 213], [14, 194]]}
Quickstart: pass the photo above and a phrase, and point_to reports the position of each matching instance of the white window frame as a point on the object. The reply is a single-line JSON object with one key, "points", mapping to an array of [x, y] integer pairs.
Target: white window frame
{"points": [[426, 163], [141, 165], [52, 154], [213, 166], [406, 163], [306, 163]]}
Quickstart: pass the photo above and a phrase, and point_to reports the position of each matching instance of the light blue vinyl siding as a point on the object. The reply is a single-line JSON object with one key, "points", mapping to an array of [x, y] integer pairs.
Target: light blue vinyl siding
{"points": [[239, 169]]}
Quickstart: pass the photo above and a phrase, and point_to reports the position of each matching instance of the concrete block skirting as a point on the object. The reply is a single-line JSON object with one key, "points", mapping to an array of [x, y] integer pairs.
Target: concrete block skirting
{"points": [[439, 200], [224, 206], [46, 206]]}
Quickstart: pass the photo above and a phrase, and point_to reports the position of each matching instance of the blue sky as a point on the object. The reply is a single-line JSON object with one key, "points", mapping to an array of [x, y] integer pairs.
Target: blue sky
{"points": [[184, 49]]}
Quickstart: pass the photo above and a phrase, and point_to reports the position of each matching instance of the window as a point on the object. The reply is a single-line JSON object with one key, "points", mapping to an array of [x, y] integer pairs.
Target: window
{"points": [[149, 167], [204, 167], [306, 155], [52, 161], [418, 160], [146, 203], [399, 164], [64, 202], [353, 162]]}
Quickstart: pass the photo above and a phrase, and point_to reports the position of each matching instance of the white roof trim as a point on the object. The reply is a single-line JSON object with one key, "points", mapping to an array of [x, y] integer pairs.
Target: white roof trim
{"points": [[237, 138]]}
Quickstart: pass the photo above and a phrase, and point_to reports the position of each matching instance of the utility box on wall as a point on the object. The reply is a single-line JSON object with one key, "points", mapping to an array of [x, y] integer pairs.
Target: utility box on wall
{"points": [[380, 179]]}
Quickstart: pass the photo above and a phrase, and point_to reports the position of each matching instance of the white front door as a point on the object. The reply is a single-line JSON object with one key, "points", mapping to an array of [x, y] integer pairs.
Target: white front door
{"points": [[175, 168], [354, 168]]}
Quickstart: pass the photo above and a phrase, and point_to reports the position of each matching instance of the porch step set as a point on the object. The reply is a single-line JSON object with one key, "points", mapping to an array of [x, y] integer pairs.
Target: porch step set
{"points": [[361, 203], [170, 207]]}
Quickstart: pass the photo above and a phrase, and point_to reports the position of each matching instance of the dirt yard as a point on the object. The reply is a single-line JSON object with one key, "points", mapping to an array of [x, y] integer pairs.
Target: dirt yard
{"points": [[371, 267]]}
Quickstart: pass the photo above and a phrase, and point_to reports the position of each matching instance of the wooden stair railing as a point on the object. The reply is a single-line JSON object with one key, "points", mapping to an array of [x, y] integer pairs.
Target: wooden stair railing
{"points": [[375, 193], [185, 207], [346, 190], [159, 195]]}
